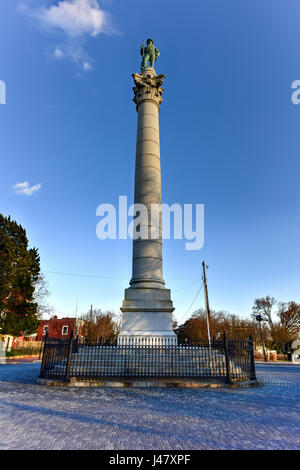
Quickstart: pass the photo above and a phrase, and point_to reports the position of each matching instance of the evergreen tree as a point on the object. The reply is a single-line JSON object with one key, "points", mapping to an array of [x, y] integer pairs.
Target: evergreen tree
{"points": [[19, 270]]}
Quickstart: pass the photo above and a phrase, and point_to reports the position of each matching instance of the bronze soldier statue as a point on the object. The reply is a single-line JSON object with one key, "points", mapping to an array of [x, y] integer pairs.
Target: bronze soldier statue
{"points": [[149, 53]]}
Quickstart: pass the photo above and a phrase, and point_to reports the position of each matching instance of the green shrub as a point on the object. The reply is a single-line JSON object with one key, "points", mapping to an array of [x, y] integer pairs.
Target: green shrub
{"points": [[22, 352]]}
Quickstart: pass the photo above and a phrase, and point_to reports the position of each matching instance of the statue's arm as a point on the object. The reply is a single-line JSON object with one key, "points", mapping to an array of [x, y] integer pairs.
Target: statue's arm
{"points": [[143, 48], [157, 53]]}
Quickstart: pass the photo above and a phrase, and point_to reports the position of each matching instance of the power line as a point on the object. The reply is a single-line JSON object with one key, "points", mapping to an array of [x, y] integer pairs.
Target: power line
{"points": [[83, 275], [198, 292], [107, 277], [186, 286], [195, 279]]}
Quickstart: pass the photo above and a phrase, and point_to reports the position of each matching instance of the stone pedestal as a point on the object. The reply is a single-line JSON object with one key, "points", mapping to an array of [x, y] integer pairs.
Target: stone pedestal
{"points": [[147, 307]]}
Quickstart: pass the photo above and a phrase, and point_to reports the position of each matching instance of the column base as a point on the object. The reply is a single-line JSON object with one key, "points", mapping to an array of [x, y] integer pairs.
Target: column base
{"points": [[147, 317]]}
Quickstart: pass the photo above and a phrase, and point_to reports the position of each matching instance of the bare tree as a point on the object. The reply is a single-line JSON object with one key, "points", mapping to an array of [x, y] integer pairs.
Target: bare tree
{"points": [[41, 292], [263, 306], [289, 315], [281, 338], [98, 325], [221, 322]]}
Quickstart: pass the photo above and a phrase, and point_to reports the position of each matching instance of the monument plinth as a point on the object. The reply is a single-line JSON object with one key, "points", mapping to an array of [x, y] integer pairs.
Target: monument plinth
{"points": [[147, 307]]}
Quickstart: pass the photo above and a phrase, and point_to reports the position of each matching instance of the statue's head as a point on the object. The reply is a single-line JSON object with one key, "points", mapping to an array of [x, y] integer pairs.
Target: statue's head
{"points": [[149, 41]]}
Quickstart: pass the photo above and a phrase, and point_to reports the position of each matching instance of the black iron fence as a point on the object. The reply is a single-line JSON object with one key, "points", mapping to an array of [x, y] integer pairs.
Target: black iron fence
{"points": [[225, 359]]}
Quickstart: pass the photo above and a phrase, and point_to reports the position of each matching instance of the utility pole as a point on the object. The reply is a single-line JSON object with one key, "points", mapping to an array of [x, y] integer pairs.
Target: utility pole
{"points": [[91, 314], [207, 303]]}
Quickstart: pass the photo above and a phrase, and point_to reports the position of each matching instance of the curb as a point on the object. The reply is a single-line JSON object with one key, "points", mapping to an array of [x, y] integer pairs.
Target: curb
{"points": [[278, 363], [143, 383]]}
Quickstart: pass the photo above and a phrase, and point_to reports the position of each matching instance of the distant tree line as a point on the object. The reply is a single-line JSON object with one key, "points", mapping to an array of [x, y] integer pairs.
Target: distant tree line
{"points": [[98, 326], [278, 333]]}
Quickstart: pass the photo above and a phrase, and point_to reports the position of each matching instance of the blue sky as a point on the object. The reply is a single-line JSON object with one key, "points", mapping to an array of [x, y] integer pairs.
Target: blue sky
{"points": [[229, 140]]}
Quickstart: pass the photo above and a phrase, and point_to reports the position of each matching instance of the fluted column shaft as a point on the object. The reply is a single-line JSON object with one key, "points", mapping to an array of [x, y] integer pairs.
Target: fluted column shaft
{"points": [[147, 254]]}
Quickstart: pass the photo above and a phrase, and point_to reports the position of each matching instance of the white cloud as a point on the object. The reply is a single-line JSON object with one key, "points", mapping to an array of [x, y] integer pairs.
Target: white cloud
{"points": [[77, 19], [26, 189], [74, 17], [58, 53], [86, 66], [73, 51]]}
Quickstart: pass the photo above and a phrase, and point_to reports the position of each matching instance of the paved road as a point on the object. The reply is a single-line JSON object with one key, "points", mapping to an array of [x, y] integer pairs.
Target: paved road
{"points": [[36, 417]]}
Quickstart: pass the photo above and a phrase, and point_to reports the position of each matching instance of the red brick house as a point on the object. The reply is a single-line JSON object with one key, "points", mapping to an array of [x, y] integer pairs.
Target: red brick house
{"points": [[57, 327]]}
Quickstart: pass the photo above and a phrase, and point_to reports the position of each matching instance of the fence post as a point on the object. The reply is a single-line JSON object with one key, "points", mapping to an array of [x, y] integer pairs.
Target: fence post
{"points": [[44, 354], [68, 366], [225, 343], [252, 363], [76, 344]]}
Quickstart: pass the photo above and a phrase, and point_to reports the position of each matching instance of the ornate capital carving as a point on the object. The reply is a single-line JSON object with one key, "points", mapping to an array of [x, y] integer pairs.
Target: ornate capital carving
{"points": [[148, 88]]}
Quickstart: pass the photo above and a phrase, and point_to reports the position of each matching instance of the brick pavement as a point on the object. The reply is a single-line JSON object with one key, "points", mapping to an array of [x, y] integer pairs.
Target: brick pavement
{"points": [[36, 417]]}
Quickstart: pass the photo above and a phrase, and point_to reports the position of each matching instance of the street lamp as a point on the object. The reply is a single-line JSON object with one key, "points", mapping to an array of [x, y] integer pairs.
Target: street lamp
{"points": [[259, 318]]}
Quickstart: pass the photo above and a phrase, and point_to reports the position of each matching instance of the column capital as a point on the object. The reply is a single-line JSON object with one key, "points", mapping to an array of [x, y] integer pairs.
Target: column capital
{"points": [[148, 87]]}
